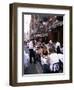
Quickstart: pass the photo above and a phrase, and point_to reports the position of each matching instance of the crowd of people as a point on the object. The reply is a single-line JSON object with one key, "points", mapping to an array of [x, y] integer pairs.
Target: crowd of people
{"points": [[48, 55]]}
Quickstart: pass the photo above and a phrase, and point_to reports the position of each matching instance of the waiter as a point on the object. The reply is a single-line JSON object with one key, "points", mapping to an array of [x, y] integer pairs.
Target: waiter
{"points": [[31, 51]]}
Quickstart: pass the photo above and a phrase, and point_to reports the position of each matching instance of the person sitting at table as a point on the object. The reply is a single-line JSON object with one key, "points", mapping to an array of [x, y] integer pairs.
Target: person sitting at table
{"points": [[44, 59], [53, 60]]}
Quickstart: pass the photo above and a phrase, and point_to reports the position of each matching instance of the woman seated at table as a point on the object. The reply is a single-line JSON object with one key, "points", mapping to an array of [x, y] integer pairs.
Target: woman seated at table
{"points": [[44, 60]]}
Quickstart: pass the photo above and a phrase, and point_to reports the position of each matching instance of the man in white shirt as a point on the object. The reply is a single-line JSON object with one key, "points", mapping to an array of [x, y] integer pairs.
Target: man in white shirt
{"points": [[31, 52], [57, 44], [57, 47]]}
